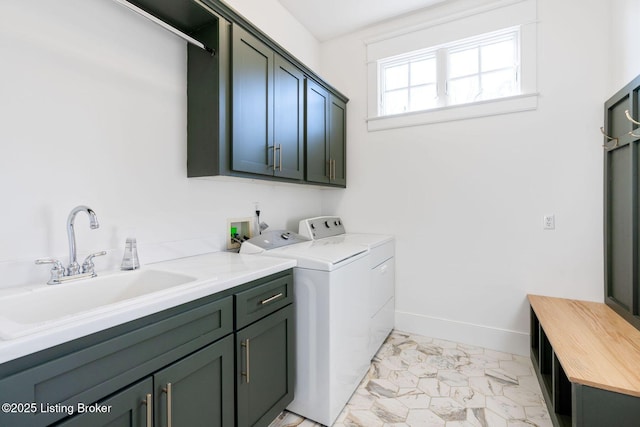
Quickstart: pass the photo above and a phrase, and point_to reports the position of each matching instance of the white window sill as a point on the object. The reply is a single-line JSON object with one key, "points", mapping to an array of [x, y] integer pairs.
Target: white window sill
{"points": [[493, 107]]}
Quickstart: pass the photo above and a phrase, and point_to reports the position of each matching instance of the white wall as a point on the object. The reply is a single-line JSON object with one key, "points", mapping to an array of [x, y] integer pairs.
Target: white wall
{"points": [[466, 199], [624, 62], [93, 111]]}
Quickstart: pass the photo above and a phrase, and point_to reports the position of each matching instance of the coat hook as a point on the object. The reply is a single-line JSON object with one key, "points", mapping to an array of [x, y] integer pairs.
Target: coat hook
{"points": [[626, 112], [609, 138]]}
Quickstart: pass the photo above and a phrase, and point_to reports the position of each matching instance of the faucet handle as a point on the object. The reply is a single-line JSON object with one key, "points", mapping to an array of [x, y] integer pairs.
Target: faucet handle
{"points": [[57, 271], [57, 264], [88, 266]]}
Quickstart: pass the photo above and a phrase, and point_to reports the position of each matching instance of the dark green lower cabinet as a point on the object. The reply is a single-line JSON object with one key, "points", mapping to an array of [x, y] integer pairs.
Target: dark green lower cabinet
{"points": [[183, 366], [127, 408], [265, 368], [195, 391]]}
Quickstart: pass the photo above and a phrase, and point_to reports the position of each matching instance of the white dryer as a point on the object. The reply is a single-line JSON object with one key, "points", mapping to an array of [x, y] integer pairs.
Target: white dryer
{"points": [[381, 292]]}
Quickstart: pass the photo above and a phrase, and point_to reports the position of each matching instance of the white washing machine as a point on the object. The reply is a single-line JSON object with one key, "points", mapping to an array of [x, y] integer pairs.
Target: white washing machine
{"points": [[344, 292], [381, 292], [331, 288]]}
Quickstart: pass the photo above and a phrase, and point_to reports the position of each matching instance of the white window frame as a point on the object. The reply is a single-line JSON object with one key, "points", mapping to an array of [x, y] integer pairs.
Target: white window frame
{"points": [[462, 25], [441, 54]]}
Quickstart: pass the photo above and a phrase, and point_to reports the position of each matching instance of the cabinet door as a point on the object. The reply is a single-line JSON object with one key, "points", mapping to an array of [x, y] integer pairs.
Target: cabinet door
{"points": [[317, 128], [252, 99], [131, 407], [337, 141], [265, 368], [288, 119], [197, 390]]}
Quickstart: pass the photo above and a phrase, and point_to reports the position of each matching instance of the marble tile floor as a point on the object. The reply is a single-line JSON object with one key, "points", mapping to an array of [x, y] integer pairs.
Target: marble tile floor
{"points": [[419, 381]]}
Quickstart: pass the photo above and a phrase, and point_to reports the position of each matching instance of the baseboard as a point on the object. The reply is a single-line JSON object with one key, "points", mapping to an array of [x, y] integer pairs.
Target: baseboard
{"points": [[462, 332]]}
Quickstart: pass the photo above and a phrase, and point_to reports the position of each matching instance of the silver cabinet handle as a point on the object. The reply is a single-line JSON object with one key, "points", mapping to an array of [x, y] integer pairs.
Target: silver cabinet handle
{"points": [[268, 300], [275, 148], [147, 402], [167, 390], [277, 159], [246, 374]]}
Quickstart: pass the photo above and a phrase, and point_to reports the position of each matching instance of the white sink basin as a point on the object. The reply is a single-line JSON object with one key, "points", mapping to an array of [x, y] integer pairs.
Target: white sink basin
{"points": [[45, 307]]}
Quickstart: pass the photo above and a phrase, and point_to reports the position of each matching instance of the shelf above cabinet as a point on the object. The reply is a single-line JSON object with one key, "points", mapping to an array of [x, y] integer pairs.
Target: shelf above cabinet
{"points": [[181, 17]]}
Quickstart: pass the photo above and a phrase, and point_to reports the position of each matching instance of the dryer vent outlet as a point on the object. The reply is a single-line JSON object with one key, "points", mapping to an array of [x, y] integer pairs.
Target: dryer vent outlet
{"points": [[238, 230]]}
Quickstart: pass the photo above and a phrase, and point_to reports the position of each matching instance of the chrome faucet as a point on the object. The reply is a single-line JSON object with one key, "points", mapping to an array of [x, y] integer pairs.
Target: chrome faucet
{"points": [[74, 267], [59, 274]]}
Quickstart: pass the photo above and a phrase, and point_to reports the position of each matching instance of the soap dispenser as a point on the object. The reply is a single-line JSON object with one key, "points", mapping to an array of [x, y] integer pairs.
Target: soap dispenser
{"points": [[130, 259]]}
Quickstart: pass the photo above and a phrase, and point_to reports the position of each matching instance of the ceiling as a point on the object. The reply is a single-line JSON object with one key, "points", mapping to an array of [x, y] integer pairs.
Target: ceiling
{"points": [[327, 19]]}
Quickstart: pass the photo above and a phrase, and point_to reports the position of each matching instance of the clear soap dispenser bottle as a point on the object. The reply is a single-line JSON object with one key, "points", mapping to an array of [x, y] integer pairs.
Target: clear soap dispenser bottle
{"points": [[130, 259]]}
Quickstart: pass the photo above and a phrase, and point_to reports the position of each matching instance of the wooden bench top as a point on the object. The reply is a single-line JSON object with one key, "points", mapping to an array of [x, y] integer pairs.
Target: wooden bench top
{"points": [[595, 346]]}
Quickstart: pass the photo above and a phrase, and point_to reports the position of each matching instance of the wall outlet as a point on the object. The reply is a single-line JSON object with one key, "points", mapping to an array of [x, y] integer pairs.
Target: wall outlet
{"points": [[549, 222], [240, 229]]}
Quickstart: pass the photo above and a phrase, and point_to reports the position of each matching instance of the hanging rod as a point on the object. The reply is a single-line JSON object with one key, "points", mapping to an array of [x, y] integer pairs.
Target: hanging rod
{"points": [[166, 26]]}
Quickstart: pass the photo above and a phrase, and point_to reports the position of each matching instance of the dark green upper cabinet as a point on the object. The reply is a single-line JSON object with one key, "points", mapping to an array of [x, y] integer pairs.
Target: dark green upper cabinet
{"points": [[246, 102], [288, 125], [252, 100], [208, 114], [317, 137], [337, 141], [325, 127], [267, 99]]}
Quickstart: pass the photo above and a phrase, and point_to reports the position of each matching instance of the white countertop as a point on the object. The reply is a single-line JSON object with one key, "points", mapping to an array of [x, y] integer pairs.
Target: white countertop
{"points": [[214, 272]]}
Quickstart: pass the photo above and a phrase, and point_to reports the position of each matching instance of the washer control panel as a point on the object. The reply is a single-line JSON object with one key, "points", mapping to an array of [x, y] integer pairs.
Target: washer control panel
{"points": [[321, 227]]}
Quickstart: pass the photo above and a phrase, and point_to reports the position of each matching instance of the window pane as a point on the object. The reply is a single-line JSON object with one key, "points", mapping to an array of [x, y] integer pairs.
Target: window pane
{"points": [[498, 55], [463, 63], [498, 84], [396, 77], [396, 102], [463, 90], [423, 72], [423, 97]]}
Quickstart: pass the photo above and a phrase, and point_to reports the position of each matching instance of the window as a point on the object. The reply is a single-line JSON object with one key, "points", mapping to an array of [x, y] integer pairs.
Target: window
{"points": [[461, 60], [462, 72]]}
